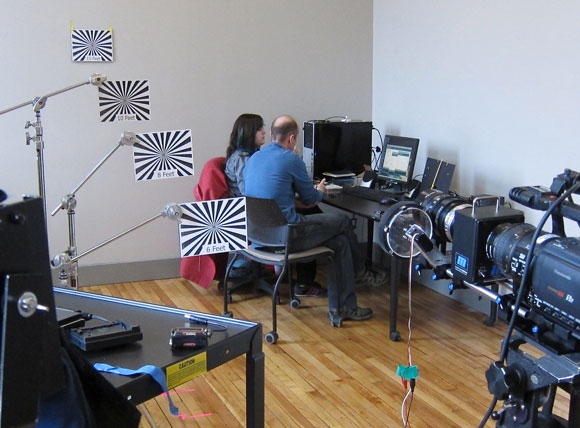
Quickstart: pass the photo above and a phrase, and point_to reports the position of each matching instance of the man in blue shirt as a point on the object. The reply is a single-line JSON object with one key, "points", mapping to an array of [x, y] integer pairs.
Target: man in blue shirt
{"points": [[276, 172]]}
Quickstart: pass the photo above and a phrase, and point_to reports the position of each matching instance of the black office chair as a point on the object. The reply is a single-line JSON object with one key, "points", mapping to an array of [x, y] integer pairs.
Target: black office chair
{"points": [[268, 233]]}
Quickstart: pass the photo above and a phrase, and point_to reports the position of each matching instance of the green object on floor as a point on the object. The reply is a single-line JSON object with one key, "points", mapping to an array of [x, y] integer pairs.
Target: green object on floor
{"points": [[408, 372]]}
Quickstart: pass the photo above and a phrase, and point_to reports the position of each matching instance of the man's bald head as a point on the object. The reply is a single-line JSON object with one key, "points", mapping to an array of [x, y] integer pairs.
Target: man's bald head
{"points": [[283, 127]]}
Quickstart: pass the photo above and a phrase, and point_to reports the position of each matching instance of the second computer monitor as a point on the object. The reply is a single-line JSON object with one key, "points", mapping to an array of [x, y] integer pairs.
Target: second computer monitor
{"points": [[337, 147], [397, 159]]}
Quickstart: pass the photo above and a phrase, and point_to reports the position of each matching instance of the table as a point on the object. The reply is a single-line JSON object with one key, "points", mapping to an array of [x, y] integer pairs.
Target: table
{"points": [[156, 322], [373, 212]]}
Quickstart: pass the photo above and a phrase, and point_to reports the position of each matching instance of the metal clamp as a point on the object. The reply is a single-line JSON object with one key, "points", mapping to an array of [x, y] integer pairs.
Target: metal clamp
{"points": [[28, 305]]}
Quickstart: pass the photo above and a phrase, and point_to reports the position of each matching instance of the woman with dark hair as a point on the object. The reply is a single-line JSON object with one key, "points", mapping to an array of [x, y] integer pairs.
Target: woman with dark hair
{"points": [[248, 135]]}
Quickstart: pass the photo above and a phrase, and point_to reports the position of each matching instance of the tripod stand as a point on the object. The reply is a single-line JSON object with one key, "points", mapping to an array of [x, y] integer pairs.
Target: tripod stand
{"points": [[528, 383], [38, 104], [69, 275], [68, 263]]}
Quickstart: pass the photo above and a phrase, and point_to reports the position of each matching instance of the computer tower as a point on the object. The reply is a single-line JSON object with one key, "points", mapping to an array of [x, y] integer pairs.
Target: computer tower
{"points": [[336, 146]]}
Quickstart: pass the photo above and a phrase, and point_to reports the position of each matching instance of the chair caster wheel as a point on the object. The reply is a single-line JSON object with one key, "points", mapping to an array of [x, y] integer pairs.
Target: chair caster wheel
{"points": [[335, 320], [295, 303], [395, 336], [227, 314], [271, 337]]}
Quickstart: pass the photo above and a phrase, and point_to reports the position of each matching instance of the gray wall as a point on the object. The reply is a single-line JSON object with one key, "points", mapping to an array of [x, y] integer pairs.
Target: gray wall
{"points": [[491, 86], [206, 62]]}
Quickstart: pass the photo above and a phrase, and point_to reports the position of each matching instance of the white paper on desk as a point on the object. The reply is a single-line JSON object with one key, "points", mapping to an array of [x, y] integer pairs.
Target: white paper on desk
{"points": [[211, 227], [333, 187]]}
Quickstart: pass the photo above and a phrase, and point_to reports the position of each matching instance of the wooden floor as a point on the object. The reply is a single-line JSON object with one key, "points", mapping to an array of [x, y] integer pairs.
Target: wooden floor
{"points": [[320, 376]]}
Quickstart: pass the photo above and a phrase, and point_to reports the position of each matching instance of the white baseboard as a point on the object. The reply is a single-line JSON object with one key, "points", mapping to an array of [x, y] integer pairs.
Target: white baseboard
{"points": [[125, 272]]}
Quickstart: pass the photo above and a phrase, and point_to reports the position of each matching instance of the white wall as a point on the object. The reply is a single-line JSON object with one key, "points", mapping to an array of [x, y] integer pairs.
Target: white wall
{"points": [[491, 86], [206, 61]]}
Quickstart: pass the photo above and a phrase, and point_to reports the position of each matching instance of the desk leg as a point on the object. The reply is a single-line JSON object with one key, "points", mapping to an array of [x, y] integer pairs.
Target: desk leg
{"points": [[490, 321], [370, 240], [255, 382], [145, 412], [394, 335]]}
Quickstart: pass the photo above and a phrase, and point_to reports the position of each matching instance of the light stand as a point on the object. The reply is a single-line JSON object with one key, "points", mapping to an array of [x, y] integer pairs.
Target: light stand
{"points": [[38, 104], [69, 276], [68, 264]]}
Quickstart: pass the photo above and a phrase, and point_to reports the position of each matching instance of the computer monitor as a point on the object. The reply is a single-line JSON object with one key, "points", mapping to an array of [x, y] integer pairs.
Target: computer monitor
{"points": [[397, 159], [337, 146]]}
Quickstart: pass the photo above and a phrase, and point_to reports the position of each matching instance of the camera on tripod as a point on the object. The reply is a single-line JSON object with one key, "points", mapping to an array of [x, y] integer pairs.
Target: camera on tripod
{"points": [[492, 246]]}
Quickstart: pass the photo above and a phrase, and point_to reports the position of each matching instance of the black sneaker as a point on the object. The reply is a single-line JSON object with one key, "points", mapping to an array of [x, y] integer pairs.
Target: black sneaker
{"points": [[371, 278], [313, 290], [357, 314]]}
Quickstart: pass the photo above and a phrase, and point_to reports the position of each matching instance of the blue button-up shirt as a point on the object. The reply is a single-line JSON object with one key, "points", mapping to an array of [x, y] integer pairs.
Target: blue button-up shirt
{"points": [[277, 173]]}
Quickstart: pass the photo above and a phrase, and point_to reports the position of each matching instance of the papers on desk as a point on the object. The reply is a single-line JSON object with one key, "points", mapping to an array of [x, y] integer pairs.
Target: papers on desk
{"points": [[333, 187]]}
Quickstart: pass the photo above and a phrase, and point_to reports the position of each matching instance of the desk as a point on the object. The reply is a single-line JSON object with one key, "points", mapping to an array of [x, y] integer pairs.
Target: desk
{"points": [[156, 322], [373, 212]]}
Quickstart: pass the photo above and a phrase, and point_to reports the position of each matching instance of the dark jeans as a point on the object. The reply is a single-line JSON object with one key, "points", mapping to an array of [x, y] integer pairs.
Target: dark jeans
{"points": [[335, 232], [306, 272]]}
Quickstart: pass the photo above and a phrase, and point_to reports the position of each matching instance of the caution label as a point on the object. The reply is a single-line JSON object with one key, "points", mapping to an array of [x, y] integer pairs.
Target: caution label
{"points": [[186, 370]]}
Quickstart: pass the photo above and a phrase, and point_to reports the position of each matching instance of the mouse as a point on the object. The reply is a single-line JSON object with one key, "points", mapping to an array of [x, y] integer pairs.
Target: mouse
{"points": [[387, 201]]}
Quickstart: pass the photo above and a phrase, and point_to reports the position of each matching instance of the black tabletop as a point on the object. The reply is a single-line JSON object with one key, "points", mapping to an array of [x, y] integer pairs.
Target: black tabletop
{"points": [[156, 323], [369, 209]]}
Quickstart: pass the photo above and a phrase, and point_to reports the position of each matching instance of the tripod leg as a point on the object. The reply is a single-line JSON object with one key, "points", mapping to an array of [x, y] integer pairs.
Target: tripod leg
{"points": [[548, 407], [574, 413]]}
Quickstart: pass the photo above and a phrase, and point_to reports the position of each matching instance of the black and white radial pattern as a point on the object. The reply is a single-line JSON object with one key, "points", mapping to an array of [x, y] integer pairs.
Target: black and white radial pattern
{"points": [[92, 45], [211, 227], [124, 100], [166, 154]]}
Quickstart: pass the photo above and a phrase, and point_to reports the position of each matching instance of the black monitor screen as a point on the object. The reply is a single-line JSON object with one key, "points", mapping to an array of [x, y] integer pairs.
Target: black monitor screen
{"points": [[339, 146], [397, 159]]}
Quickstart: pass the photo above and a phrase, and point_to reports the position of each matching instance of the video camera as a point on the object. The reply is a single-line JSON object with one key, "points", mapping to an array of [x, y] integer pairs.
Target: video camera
{"points": [[493, 246]]}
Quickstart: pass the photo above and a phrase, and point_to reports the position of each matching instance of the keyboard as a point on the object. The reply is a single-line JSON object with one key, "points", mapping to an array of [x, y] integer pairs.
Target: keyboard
{"points": [[375, 195]]}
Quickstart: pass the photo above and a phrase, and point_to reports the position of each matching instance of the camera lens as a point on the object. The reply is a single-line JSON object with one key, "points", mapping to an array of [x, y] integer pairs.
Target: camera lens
{"points": [[398, 225], [508, 245], [441, 207]]}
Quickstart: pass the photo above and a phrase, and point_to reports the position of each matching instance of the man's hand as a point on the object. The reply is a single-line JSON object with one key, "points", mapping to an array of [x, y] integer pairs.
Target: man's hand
{"points": [[321, 186]]}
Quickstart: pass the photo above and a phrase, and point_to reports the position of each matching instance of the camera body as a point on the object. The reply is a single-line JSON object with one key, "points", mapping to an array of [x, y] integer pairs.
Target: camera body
{"points": [[491, 243], [555, 286], [492, 246], [472, 227]]}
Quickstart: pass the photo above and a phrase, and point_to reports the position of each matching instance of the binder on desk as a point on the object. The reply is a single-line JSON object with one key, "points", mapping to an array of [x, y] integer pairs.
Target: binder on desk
{"points": [[339, 174], [437, 175]]}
